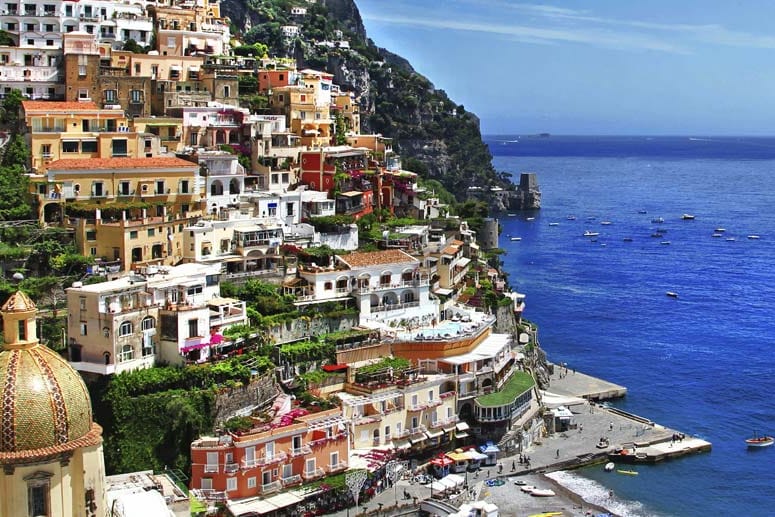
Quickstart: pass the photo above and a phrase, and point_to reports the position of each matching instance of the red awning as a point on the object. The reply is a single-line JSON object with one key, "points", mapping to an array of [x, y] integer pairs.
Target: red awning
{"points": [[442, 461], [334, 367]]}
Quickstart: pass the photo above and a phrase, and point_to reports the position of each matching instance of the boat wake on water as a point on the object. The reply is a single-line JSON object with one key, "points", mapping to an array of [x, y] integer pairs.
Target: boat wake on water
{"points": [[595, 493]]}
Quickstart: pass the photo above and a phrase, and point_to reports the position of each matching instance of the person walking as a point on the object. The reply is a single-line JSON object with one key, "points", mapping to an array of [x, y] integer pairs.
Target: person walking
{"points": [[558, 453]]}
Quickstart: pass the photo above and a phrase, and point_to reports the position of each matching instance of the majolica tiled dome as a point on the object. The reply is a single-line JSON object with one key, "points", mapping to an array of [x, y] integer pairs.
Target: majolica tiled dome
{"points": [[44, 404]]}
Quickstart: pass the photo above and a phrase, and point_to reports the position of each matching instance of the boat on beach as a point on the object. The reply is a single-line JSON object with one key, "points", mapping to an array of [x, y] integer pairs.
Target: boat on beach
{"points": [[759, 441], [542, 492]]}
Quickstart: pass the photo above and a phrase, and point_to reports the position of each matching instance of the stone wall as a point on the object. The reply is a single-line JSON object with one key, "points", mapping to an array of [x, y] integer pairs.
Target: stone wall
{"points": [[261, 392], [303, 328], [505, 320]]}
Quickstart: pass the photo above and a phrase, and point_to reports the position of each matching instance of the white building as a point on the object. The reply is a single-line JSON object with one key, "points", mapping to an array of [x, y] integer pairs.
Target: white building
{"points": [[168, 313], [224, 179], [35, 72]]}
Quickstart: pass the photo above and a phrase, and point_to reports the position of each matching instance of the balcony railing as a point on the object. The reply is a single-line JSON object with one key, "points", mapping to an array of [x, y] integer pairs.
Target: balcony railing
{"points": [[230, 468], [292, 480], [269, 488], [394, 306], [313, 474], [304, 449], [441, 423], [211, 468], [336, 467]]}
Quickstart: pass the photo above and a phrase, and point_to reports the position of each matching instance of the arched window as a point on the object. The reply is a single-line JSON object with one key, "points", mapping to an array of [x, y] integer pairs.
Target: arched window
{"points": [[127, 353], [148, 323], [125, 329]]}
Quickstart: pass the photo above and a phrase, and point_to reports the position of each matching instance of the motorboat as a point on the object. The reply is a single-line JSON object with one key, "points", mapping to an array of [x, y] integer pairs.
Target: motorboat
{"points": [[591, 234], [542, 492], [658, 220], [515, 239], [665, 243], [657, 234], [759, 441], [627, 472], [605, 223], [610, 466], [687, 217], [716, 235], [672, 294], [554, 224], [730, 239], [520, 482], [642, 211], [530, 219], [527, 488], [753, 237], [571, 218], [627, 239], [720, 230]]}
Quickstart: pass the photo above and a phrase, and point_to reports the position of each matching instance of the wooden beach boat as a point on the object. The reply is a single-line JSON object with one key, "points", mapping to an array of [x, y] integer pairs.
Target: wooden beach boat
{"points": [[759, 441], [542, 492]]}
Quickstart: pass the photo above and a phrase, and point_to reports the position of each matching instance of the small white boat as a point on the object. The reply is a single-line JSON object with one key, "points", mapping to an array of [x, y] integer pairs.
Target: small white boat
{"points": [[605, 223], [554, 224], [527, 488], [512, 215], [658, 220], [571, 218], [530, 219], [627, 239], [610, 466], [672, 294], [642, 211], [753, 237], [520, 482], [687, 217], [720, 230], [730, 239], [665, 243], [591, 234], [716, 235], [760, 441], [542, 492], [516, 239]]}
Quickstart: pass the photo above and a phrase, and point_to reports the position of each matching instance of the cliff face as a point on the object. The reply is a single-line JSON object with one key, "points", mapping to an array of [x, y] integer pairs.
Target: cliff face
{"points": [[396, 101]]}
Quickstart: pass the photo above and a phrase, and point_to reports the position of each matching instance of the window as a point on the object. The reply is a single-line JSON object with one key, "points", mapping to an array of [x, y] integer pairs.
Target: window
{"points": [[193, 328], [170, 42], [133, 234], [89, 146], [119, 148], [136, 96], [285, 177], [252, 482], [137, 65], [289, 209], [38, 487], [231, 484], [49, 43], [126, 354], [148, 323], [328, 286], [184, 187], [430, 396], [91, 235], [160, 187], [334, 459], [124, 188], [30, 26], [151, 232], [211, 280], [45, 150], [22, 330], [69, 147], [287, 471], [125, 329], [275, 179], [310, 466], [84, 328], [197, 289], [110, 96], [82, 303], [414, 422], [207, 484], [227, 91]]}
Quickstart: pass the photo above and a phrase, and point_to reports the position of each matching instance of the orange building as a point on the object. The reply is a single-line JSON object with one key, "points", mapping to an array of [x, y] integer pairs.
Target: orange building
{"points": [[300, 447]]}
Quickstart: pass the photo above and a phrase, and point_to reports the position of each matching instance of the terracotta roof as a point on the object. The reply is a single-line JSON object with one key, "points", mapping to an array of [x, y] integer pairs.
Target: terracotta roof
{"points": [[18, 302], [120, 163], [455, 242], [450, 250], [58, 106], [375, 258]]}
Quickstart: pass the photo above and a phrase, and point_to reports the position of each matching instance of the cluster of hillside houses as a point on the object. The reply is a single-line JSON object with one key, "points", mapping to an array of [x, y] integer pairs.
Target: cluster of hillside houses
{"points": [[173, 188]]}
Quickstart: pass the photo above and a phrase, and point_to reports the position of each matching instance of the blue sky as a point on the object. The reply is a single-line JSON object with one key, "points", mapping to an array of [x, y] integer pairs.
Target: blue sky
{"points": [[694, 67]]}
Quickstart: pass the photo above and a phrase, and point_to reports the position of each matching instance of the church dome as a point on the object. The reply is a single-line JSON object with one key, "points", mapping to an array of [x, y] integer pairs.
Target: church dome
{"points": [[45, 407]]}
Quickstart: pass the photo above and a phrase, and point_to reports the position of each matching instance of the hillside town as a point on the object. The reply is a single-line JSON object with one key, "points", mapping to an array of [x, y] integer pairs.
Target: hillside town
{"points": [[398, 348]]}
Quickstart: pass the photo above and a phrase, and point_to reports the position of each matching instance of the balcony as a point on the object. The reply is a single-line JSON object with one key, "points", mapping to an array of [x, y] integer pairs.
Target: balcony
{"points": [[337, 467], [211, 469], [260, 462], [230, 468], [301, 451], [441, 423], [313, 474], [272, 487], [394, 306], [293, 480], [384, 287]]}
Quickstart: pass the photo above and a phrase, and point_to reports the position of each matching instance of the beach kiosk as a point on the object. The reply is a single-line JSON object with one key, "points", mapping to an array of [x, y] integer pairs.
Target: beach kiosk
{"points": [[460, 458], [441, 465], [491, 451]]}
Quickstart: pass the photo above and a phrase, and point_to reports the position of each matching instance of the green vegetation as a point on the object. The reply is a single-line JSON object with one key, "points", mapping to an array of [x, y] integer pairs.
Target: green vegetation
{"points": [[307, 351], [519, 383], [398, 364]]}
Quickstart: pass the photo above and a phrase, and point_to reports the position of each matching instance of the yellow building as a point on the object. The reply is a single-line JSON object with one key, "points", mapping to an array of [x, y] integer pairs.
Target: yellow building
{"points": [[50, 449], [305, 117], [64, 130], [127, 209]]}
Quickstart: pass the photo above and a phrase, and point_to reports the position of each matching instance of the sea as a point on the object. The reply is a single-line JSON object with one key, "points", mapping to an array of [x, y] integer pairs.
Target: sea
{"points": [[700, 363]]}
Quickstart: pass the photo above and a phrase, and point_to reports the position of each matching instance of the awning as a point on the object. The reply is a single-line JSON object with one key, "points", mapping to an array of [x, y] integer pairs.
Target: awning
{"points": [[175, 68], [193, 68], [463, 262], [401, 444], [458, 456], [417, 439], [434, 433], [250, 507], [442, 461], [284, 499], [448, 428], [443, 291], [461, 435], [462, 426], [334, 367]]}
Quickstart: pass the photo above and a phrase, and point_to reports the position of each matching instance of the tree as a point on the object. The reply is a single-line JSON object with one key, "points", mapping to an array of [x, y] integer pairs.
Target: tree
{"points": [[11, 104], [134, 47], [14, 194], [16, 152]]}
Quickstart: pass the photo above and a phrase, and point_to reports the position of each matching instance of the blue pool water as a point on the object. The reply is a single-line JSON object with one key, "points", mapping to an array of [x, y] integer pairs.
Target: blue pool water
{"points": [[700, 363]]}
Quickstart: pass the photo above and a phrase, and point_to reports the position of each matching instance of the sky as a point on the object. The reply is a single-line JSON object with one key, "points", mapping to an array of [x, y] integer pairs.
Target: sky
{"points": [[610, 67]]}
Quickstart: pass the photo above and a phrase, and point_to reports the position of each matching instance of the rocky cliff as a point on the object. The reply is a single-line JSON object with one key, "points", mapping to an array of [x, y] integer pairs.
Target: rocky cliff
{"points": [[437, 134]]}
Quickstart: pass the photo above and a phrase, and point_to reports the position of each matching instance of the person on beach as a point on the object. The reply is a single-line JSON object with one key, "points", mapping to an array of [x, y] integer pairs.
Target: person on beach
{"points": [[558, 453]]}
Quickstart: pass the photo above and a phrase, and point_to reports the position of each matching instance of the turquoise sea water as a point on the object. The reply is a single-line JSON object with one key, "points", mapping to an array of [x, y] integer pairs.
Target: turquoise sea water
{"points": [[701, 363]]}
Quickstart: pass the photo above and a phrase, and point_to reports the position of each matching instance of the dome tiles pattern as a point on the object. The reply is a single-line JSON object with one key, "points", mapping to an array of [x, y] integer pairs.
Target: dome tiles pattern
{"points": [[44, 402]]}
